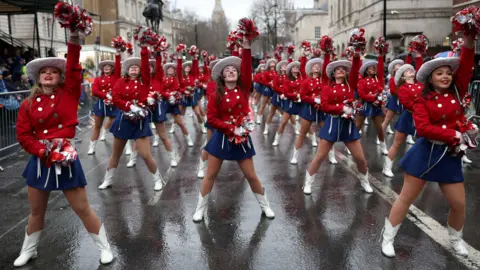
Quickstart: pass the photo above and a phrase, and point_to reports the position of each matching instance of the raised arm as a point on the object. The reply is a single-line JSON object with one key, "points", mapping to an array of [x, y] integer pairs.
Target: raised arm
{"points": [[353, 76], [326, 61], [408, 59], [179, 68], [145, 66], [381, 70], [195, 71], [418, 61], [158, 68], [465, 71], [303, 63], [73, 70], [117, 70], [246, 69]]}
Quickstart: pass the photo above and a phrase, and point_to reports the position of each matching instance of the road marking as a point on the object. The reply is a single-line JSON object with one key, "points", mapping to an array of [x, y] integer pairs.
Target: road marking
{"points": [[50, 201], [424, 222]]}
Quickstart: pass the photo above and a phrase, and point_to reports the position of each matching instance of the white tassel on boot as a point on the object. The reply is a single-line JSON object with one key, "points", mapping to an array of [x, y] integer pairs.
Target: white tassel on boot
{"points": [[264, 204], [103, 134], [331, 156], [383, 147], [201, 207], [265, 131], [108, 179], [457, 242], [387, 167], [410, 140], [174, 158], [156, 141], [128, 147], [276, 141], [91, 147], [29, 248], [202, 166], [158, 180], [189, 140], [307, 186], [133, 159], [365, 183], [294, 159], [101, 241], [388, 237]]}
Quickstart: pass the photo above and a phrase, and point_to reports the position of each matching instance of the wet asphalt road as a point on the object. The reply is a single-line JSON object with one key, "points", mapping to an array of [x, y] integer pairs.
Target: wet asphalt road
{"points": [[338, 227]]}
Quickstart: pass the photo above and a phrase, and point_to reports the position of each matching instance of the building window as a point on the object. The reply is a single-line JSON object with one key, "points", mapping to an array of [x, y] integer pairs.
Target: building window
{"points": [[318, 32]]}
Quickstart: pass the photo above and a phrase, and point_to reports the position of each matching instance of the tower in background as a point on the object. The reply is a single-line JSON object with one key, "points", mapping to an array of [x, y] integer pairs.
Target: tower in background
{"points": [[218, 14]]}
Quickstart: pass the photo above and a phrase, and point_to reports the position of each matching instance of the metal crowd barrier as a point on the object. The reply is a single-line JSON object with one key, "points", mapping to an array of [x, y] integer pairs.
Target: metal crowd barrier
{"points": [[9, 105], [474, 90]]}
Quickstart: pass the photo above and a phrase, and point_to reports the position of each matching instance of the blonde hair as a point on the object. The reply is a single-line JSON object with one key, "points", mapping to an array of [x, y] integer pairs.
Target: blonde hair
{"points": [[37, 87]]}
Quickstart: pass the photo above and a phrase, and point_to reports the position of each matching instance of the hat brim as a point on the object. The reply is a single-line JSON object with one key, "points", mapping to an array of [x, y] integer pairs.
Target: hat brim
{"points": [[34, 66], [428, 67], [336, 64], [169, 65], [270, 61], [105, 63], [127, 63], [280, 64], [259, 67], [400, 72], [213, 63], [291, 65], [311, 62], [393, 64], [188, 63], [228, 61], [366, 65]]}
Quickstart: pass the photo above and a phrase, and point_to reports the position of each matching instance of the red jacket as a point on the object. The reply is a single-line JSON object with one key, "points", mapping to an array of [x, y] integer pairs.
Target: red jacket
{"points": [[126, 91], [291, 89], [370, 88], [104, 84], [312, 87], [188, 81], [234, 103], [278, 83], [333, 95], [55, 115], [436, 115], [408, 93], [268, 77]]}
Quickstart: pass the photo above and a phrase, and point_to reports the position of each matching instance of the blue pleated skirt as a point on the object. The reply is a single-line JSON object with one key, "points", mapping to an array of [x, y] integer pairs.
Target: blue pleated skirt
{"points": [[276, 101], [405, 124], [258, 87], [199, 93], [220, 147], [338, 129], [125, 129], [101, 110], [369, 110], [189, 102], [292, 108], [309, 113], [64, 180], [430, 162], [159, 113], [267, 91], [172, 109], [394, 105]]}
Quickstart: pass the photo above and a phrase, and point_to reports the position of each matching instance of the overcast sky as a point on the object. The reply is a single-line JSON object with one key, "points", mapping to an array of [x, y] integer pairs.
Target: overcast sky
{"points": [[234, 9]]}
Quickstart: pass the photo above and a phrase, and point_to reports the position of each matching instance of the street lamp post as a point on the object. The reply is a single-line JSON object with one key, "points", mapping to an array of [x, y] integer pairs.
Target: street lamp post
{"points": [[385, 19], [275, 40]]}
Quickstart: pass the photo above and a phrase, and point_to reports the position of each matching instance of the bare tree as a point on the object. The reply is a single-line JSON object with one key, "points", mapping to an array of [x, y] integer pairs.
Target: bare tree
{"points": [[270, 19]]}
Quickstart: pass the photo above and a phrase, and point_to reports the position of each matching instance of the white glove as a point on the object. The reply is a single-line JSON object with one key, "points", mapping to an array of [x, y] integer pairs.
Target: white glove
{"points": [[172, 100], [109, 96], [150, 101], [459, 135], [239, 131], [135, 109], [317, 100], [347, 110]]}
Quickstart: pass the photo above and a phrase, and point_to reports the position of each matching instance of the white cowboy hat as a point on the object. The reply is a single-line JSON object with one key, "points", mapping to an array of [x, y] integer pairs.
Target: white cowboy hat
{"points": [[430, 66], [34, 66], [169, 65], [311, 62], [335, 64], [259, 67], [130, 62], [213, 63], [280, 64], [366, 64], [188, 63], [225, 62], [400, 72], [393, 64], [271, 61], [104, 63], [291, 65]]}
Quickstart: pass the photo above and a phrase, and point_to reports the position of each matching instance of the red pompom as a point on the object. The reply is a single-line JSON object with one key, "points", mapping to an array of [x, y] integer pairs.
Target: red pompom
{"points": [[232, 40], [457, 46], [247, 29], [74, 18], [204, 54], [279, 48], [161, 45], [419, 44], [145, 36], [316, 52], [381, 45], [193, 51], [357, 40], [129, 48], [180, 48], [212, 57], [467, 21], [290, 49], [119, 44], [326, 44], [306, 46]]}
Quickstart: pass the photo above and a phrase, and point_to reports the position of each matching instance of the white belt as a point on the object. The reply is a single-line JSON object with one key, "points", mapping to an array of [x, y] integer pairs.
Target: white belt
{"points": [[58, 167]]}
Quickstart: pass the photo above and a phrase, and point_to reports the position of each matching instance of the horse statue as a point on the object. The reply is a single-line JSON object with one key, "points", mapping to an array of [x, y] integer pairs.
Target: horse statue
{"points": [[153, 14]]}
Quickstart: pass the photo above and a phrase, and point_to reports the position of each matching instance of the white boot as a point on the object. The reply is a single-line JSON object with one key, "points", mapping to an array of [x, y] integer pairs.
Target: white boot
{"points": [[128, 147], [387, 167], [189, 140], [365, 183], [158, 180], [133, 159], [91, 147], [172, 129], [101, 241], [383, 146], [389, 130], [202, 166], [156, 141], [103, 134], [466, 160], [264, 204], [410, 140], [297, 127], [366, 121], [295, 156], [360, 131], [276, 142], [201, 207], [174, 158], [331, 156], [314, 140], [457, 242], [265, 131], [259, 119], [108, 179], [378, 141], [307, 185], [29, 248], [388, 236], [152, 126], [204, 129]]}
